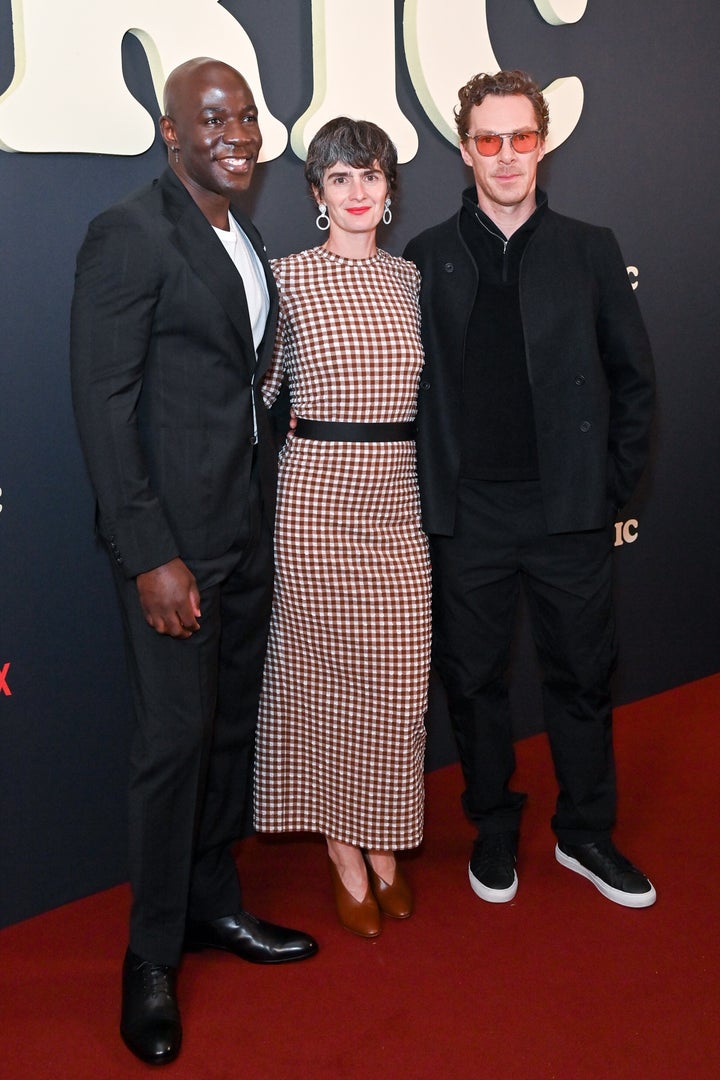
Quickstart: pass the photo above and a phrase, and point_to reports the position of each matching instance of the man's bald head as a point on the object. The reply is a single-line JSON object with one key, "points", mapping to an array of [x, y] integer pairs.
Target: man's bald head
{"points": [[190, 76], [210, 127]]}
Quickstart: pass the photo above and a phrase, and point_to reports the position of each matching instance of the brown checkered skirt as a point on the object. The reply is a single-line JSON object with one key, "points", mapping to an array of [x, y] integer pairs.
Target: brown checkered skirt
{"points": [[341, 736]]}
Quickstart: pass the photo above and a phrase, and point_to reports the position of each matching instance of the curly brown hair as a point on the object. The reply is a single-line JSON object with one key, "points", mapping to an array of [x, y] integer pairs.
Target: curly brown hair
{"points": [[358, 143], [504, 82]]}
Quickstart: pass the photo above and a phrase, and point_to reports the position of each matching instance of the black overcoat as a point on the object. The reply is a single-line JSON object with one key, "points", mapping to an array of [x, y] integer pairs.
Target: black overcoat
{"points": [[589, 363]]}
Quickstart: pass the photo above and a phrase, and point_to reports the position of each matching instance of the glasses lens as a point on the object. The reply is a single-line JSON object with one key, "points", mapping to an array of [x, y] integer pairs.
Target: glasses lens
{"points": [[524, 141], [488, 145]]}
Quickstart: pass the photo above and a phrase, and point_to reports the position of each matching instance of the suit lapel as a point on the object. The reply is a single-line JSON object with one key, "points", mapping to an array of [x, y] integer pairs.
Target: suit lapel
{"points": [[265, 348], [195, 239]]}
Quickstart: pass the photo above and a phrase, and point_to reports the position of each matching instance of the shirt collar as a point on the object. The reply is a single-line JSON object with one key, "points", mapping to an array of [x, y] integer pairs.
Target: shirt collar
{"points": [[470, 204]]}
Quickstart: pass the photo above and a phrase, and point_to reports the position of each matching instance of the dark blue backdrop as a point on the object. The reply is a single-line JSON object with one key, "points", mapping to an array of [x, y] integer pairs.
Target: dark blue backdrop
{"points": [[644, 160]]}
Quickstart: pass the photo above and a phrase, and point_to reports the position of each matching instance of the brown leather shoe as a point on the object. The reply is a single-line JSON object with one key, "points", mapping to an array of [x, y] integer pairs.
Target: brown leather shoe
{"points": [[359, 916], [395, 900]]}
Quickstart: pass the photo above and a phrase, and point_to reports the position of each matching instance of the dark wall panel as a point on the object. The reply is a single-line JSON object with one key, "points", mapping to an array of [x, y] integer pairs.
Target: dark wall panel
{"points": [[643, 159]]}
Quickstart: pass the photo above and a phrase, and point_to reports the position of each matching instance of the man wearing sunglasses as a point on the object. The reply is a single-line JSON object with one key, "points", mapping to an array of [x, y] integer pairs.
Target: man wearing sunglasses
{"points": [[535, 406]]}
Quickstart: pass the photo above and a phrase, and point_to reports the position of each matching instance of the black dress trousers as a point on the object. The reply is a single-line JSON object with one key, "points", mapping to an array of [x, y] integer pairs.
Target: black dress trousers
{"points": [[501, 544], [196, 703]]}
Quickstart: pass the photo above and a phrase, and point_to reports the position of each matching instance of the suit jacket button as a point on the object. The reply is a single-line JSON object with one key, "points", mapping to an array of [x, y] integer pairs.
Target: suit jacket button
{"points": [[585, 426], [425, 385], [448, 268], [579, 380]]}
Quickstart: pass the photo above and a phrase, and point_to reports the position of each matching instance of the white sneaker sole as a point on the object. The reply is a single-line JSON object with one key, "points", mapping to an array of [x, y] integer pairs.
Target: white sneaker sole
{"points": [[633, 900], [493, 896]]}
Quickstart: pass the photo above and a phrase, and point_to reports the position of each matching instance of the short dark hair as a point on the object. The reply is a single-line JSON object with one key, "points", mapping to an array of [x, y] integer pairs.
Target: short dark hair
{"points": [[358, 143], [503, 83]]}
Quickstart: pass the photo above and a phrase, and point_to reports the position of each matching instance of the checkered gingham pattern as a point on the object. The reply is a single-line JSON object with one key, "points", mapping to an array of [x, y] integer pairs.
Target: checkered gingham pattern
{"points": [[341, 735]]}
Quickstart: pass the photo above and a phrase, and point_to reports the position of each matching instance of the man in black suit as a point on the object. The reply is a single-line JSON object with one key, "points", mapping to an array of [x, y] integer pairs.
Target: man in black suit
{"points": [[535, 406], [173, 322]]}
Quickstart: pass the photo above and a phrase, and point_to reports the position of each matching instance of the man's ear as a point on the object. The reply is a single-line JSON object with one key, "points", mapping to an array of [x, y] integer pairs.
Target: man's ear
{"points": [[465, 155], [167, 130]]}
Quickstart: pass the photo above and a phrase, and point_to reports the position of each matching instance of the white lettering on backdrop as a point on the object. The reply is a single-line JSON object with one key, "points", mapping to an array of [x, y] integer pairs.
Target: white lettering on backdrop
{"points": [[69, 51], [446, 44], [68, 71]]}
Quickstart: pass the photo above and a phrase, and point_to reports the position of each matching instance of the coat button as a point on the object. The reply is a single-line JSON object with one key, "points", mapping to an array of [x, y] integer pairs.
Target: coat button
{"points": [[579, 380], [424, 385], [448, 268], [585, 426]]}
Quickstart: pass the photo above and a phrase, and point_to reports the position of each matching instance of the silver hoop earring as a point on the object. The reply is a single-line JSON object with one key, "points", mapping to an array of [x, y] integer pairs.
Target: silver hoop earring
{"points": [[387, 212], [322, 220]]}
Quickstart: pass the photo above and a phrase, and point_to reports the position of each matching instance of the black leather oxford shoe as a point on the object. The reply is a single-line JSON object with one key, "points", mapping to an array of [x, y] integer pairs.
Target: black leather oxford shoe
{"points": [[251, 939], [150, 1023]]}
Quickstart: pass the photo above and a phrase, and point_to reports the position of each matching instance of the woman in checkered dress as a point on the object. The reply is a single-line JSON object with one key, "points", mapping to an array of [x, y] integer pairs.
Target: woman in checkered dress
{"points": [[341, 733]]}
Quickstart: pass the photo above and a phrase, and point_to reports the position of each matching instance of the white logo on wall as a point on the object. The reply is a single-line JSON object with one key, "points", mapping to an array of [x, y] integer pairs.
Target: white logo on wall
{"points": [[111, 121]]}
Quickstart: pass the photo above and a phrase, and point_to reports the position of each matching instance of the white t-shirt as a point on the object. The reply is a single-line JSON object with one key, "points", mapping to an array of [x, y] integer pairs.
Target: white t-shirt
{"points": [[250, 268]]}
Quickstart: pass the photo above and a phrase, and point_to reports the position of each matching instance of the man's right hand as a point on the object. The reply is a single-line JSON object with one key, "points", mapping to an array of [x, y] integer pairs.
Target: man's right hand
{"points": [[170, 599]]}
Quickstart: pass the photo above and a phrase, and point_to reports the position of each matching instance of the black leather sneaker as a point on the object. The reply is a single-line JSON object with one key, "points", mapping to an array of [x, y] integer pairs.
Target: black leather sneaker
{"points": [[492, 867], [610, 872]]}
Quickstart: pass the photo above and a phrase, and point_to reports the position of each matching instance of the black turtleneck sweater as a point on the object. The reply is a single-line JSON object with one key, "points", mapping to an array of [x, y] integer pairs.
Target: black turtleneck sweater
{"points": [[498, 427]]}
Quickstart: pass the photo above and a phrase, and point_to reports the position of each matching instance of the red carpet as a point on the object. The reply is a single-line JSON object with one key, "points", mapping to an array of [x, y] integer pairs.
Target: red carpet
{"points": [[560, 983]]}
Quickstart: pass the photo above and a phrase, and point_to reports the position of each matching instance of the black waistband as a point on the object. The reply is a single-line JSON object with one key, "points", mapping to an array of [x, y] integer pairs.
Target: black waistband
{"points": [[340, 432]]}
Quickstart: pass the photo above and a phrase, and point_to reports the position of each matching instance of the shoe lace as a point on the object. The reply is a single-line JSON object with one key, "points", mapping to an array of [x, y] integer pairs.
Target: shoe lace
{"points": [[496, 848], [614, 859], [158, 979]]}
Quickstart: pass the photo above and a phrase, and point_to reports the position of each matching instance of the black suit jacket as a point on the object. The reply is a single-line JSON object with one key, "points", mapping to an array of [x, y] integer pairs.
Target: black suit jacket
{"points": [[163, 376], [589, 364]]}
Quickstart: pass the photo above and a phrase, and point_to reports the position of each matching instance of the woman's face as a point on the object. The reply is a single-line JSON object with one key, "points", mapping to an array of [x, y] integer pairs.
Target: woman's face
{"points": [[355, 198]]}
